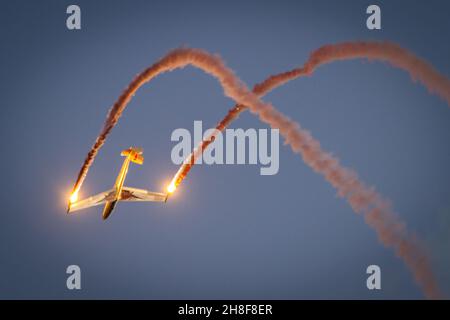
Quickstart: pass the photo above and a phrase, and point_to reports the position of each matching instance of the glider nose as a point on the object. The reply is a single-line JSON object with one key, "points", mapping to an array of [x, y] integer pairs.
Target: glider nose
{"points": [[109, 206]]}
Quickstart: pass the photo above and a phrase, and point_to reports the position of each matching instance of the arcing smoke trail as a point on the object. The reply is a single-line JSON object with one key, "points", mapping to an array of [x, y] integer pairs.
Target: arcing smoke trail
{"points": [[392, 53], [178, 58], [419, 69], [362, 198], [390, 230]]}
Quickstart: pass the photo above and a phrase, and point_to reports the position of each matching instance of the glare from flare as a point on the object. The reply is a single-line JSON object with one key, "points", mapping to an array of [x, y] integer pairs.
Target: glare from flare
{"points": [[74, 197], [171, 187]]}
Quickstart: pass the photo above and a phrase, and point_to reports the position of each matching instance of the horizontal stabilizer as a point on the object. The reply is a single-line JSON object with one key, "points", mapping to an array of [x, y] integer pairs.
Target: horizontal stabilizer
{"points": [[135, 155], [137, 158]]}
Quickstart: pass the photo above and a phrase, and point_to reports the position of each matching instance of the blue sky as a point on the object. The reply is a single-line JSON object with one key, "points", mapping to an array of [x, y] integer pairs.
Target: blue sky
{"points": [[229, 232]]}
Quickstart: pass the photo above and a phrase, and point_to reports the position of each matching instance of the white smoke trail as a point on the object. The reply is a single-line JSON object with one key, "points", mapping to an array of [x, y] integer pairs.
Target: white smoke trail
{"points": [[362, 199]]}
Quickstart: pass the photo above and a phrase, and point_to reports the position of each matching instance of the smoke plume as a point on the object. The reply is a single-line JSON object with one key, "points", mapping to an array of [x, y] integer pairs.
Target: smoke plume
{"points": [[392, 53], [363, 199]]}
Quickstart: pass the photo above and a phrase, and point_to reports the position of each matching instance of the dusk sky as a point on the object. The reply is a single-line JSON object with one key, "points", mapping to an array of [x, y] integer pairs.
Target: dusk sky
{"points": [[228, 232]]}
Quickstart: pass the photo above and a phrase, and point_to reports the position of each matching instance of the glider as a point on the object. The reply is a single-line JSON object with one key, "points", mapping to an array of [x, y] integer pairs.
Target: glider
{"points": [[119, 192]]}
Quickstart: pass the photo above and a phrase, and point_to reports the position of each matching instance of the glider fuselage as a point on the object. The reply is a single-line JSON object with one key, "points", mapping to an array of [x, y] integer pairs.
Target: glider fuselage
{"points": [[110, 204]]}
